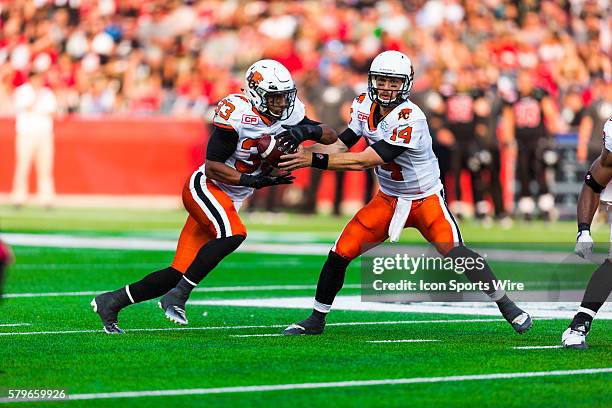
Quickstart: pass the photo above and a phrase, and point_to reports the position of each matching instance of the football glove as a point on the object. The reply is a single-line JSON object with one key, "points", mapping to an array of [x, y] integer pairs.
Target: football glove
{"points": [[291, 138], [260, 180], [584, 244]]}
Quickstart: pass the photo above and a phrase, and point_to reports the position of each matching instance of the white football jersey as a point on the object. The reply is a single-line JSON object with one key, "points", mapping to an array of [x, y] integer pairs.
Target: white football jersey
{"points": [[236, 112], [414, 174], [606, 195]]}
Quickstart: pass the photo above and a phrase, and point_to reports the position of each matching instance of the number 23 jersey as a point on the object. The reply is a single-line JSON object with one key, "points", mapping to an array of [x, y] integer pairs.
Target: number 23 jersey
{"points": [[236, 113], [415, 173]]}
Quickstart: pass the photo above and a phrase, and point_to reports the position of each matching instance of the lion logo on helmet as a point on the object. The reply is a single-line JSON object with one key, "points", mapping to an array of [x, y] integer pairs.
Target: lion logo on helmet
{"points": [[254, 79]]}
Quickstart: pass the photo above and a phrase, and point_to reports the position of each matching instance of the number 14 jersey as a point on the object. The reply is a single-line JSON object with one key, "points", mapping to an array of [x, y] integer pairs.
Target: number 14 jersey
{"points": [[414, 174]]}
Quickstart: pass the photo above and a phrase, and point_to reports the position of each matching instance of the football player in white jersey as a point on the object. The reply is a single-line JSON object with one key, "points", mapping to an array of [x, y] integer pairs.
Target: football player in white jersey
{"points": [[597, 188], [214, 192], [400, 150]]}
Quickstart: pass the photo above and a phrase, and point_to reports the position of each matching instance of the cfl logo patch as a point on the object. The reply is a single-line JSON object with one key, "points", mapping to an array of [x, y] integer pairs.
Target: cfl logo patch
{"points": [[362, 117], [249, 119]]}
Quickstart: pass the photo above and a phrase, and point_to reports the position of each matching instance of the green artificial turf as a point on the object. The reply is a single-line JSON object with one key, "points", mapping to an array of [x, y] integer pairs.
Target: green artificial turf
{"points": [[93, 362]]}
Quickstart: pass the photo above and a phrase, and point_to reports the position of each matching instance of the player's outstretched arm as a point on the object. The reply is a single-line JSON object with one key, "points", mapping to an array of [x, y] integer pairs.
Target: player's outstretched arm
{"points": [[307, 129], [338, 161], [597, 178], [337, 147]]}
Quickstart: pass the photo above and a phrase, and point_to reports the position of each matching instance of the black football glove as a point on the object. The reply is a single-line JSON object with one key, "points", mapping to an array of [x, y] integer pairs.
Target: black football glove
{"points": [[296, 134], [261, 180]]}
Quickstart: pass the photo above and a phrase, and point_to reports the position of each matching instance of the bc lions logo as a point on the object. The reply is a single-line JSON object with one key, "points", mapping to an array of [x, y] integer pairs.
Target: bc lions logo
{"points": [[404, 114], [254, 79]]}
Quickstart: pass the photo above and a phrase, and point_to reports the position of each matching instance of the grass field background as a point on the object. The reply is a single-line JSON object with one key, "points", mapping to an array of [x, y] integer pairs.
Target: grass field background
{"points": [[66, 348]]}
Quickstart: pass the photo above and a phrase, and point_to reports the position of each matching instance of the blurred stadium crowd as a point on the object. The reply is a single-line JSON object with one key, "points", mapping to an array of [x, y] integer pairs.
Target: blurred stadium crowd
{"points": [[179, 57]]}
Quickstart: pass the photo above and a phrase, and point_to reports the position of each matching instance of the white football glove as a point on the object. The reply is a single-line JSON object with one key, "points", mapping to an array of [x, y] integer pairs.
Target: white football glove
{"points": [[584, 244]]}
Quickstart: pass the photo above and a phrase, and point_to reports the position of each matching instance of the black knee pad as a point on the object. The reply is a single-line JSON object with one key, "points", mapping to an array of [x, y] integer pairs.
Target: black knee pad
{"points": [[336, 262], [235, 240]]}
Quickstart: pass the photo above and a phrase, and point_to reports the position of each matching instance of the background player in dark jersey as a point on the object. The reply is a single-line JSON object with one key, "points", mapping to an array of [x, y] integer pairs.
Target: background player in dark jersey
{"points": [[460, 120], [526, 115]]}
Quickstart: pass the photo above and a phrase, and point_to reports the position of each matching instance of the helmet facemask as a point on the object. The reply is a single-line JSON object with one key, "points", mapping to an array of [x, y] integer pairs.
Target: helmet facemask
{"points": [[397, 94], [278, 105]]}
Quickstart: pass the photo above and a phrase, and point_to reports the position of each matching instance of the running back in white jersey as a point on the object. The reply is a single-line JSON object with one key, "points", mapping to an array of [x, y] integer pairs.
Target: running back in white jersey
{"points": [[235, 112], [414, 174], [606, 195]]}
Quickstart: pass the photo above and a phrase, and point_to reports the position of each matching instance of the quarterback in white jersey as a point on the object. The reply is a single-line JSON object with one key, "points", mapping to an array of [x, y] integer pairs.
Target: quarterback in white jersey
{"points": [[414, 174], [597, 187], [399, 148], [214, 192]]}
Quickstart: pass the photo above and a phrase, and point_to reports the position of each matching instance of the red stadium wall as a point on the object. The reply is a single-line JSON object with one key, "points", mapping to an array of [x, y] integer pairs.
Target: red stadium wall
{"points": [[115, 156], [138, 156]]}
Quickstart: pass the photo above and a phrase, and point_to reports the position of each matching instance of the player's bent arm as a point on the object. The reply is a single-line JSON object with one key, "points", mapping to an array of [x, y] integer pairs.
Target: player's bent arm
{"points": [[221, 144], [329, 135], [597, 178], [222, 172]]}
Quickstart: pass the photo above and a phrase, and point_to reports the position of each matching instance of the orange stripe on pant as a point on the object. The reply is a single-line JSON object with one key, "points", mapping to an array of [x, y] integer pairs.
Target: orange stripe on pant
{"points": [[212, 215], [370, 226]]}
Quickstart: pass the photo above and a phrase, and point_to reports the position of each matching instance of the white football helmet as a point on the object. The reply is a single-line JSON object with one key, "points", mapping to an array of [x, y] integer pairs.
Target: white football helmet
{"points": [[267, 78], [391, 64]]}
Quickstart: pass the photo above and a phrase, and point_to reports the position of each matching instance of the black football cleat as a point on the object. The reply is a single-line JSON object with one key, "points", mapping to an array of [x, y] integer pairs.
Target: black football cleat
{"points": [[105, 306], [517, 317], [312, 325], [173, 305]]}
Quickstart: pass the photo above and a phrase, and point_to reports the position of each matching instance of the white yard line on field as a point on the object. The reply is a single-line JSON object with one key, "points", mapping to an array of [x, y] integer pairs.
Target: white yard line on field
{"points": [[148, 244], [14, 324], [403, 341], [257, 335], [536, 347], [202, 289], [251, 327], [334, 384], [539, 310]]}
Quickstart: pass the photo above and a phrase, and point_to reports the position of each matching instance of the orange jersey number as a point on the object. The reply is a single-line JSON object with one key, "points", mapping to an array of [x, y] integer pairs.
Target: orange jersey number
{"points": [[404, 134], [395, 169], [245, 167], [224, 109]]}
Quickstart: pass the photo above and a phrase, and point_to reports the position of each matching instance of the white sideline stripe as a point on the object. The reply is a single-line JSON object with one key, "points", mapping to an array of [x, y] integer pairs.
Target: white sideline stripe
{"points": [[204, 289], [14, 324], [539, 310], [251, 327], [536, 347], [148, 244], [256, 335], [402, 341], [335, 384]]}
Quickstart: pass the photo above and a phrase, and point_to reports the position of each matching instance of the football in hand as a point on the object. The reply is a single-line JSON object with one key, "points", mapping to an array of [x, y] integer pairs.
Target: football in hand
{"points": [[270, 151]]}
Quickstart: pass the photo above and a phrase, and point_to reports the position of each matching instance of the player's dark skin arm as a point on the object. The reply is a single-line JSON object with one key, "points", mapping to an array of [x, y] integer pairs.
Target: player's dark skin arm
{"points": [[329, 135], [222, 172], [221, 145], [601, 170]]}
